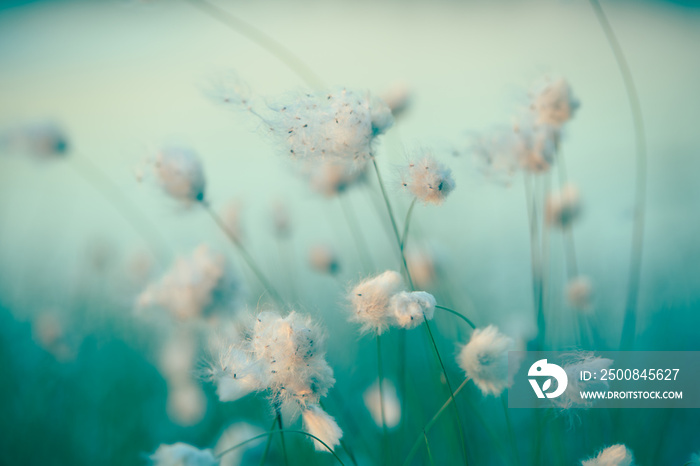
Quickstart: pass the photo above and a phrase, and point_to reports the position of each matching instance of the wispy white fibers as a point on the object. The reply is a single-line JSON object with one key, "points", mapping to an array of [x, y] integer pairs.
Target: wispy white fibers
{"points": [[616, 455], [195, 285], [485, 360], [553, 102], [428, 180], [182, 454], [179, 172], [563, 207], [577, 362], [370, 301], [45, 139], [329, 134], [320, 424], [410, 309], [285, 356], [392, 405]]}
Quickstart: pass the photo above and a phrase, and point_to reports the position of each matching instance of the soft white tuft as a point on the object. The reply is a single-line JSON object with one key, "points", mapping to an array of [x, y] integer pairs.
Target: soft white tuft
{"points": [[485, 360], [411, 309], [564, 207], [320, 424], [553, 102], [428, 180], [616, 455], [370, 301], [180, 173]]}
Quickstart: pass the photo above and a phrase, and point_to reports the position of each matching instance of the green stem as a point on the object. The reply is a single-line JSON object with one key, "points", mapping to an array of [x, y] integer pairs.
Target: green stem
{"points": [[460, 427], [629, 326], [461, 316], [427, 448], [280, 425], [393, 222], [431, 423], [406, 224], [288, 431], [277, 49], [244, 254], [267, 444]]}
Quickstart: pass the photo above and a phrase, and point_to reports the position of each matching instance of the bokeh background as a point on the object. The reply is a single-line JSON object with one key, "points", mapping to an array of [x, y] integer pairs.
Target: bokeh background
{"points": [[125, 77]]}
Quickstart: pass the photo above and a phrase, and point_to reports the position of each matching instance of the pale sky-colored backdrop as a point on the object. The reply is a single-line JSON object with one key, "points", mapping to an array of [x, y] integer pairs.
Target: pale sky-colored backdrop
{"points": [[124, 77]]}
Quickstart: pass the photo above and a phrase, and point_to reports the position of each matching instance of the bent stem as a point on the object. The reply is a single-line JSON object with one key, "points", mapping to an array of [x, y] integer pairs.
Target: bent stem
{"points": [[281, 431], [393, 222], [630, 322], [130, 212], [288, 431], [460, 315], [275, 48], [407, 223], [431, 423], [267, 444], [460, 427], [244, 254]]}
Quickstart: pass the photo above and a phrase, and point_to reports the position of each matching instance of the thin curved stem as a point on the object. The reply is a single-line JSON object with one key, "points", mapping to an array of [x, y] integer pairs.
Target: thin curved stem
{"points": [[288, 431], [393, 222], [130, 212], [630, 322], [244, 254], [407, 223], [280, 425], [460, 427], [268, 443], [458, 314], [427, 448], [431, 423], [276, 48]]}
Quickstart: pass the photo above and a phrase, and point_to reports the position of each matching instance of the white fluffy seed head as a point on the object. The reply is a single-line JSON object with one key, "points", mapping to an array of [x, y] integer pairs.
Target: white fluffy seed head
{"points": [[397, 98], [194, 286], [339, 125], [428, 180], [616, 455], [290, 354], [553, 102], [324, 259], [422, 265], [578, 292], [182, 454], [392, 405], [320, 424], [180, 173], [485, 360], [410, 309], [564, 207], [370, 301]]}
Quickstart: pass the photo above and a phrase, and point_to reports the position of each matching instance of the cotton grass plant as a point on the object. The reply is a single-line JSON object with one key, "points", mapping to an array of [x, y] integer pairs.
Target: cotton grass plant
{"points": [[425, 397]]}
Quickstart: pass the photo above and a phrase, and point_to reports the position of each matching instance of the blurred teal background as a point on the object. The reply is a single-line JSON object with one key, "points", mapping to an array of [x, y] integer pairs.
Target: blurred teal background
{"points": [[124, 77]]}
